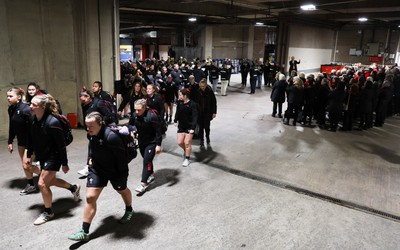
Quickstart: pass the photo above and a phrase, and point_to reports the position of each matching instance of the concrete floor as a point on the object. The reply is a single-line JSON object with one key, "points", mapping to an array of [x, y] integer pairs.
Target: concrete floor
{"points": [[262, 185]]}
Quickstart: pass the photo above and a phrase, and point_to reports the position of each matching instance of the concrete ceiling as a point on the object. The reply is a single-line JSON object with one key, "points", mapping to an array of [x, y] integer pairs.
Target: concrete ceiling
{"points": [[140, 15]]}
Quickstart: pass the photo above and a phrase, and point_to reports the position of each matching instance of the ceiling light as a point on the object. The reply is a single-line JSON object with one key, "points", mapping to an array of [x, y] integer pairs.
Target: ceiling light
{"points": [[362, 19], [308, 7], [259, 24], [192, 19]]}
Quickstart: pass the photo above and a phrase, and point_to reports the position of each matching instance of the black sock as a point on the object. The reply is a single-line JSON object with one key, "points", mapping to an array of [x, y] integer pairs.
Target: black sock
{"points": [[129, 208], [48, 210], [30, 182], [187, 157], [85, 227], [72, 188]]}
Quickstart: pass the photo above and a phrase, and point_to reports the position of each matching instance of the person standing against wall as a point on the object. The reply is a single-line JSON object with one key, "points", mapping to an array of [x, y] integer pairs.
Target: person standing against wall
{"points": [[293, 64]]}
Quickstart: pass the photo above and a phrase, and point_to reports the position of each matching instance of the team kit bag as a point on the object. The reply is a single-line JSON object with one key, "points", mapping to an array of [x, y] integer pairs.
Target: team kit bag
{"points": [[126, 133]]}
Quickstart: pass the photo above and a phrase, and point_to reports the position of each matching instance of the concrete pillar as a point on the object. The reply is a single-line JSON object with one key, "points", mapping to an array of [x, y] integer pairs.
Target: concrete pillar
{"points": [[62, 45], [208, 41], [250, 43]]}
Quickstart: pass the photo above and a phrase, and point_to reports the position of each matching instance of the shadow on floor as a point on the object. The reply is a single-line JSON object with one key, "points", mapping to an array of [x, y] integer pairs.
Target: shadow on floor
{"points": [[20, 183], [135, 229]]}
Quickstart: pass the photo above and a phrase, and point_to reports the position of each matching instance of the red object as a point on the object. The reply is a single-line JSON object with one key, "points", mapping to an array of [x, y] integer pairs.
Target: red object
{"points": [[327, 68], [377, 59], [73, 119]]}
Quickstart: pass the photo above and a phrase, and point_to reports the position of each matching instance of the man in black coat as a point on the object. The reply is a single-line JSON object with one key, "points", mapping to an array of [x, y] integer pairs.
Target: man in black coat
{"points": [[244, 70], [207, 110], [278, 95]]}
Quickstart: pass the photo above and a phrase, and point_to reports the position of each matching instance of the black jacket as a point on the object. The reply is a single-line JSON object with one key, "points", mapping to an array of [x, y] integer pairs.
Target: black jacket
{"points": [[199, 74], [155, 102], [101, 107], [46, 140], [278, 91], [186, 115], [108, 154], [295, 95], [335, 101], [19, 115], [148, 128], [207, 103]]}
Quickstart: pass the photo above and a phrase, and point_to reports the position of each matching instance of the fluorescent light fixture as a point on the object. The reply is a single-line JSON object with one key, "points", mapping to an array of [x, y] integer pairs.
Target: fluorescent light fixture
{"points": [[308, 7], [259, 24], [192, 19], [362, 19]]}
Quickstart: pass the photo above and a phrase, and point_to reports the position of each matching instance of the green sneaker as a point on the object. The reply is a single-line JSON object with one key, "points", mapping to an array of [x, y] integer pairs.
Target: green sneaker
{"points": [[127, 217], [79, 236]]}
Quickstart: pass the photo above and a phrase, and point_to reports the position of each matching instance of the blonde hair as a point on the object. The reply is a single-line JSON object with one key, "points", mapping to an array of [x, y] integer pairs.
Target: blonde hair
{"points": [[298, 82], [97, 117], [141, 102], [48, 102]]}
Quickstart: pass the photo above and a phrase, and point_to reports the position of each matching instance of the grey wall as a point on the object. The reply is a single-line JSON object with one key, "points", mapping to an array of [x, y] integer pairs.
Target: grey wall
{"points": [[312, 45], [359, 38], [57, 44], [228, 41]]}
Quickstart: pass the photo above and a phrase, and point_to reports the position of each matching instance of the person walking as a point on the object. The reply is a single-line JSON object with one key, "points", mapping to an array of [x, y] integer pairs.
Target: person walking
{"points": [[109, 164], [90, 103], [148, 128], [207, 104], [186, 120], [46, 140], [20, 115]]}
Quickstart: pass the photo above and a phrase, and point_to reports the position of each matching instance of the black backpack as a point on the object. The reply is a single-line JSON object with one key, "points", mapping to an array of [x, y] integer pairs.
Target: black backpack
{"points": [[66, 127], [129, 141]]}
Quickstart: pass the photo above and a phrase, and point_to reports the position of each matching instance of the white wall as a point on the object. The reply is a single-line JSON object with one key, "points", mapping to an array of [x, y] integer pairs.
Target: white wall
{"points": [[310, 59]]}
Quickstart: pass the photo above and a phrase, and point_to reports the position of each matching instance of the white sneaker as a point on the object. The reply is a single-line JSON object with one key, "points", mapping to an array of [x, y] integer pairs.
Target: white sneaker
{"points": [[140, 188], [76, 194], [185, 163], [84, 171], [150, 179], [28, 190], [43, 218]]}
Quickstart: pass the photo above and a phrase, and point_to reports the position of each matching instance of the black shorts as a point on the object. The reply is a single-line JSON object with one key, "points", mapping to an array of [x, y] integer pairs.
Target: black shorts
{"points": [[183, 130], [50, 165], [96, 181]]}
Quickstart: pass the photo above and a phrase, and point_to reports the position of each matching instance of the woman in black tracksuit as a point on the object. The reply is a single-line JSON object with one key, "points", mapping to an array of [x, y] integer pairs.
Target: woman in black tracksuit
{"points": [[20, 115], [169, 92], [46, 140], [148, 128], [185, 120]]}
